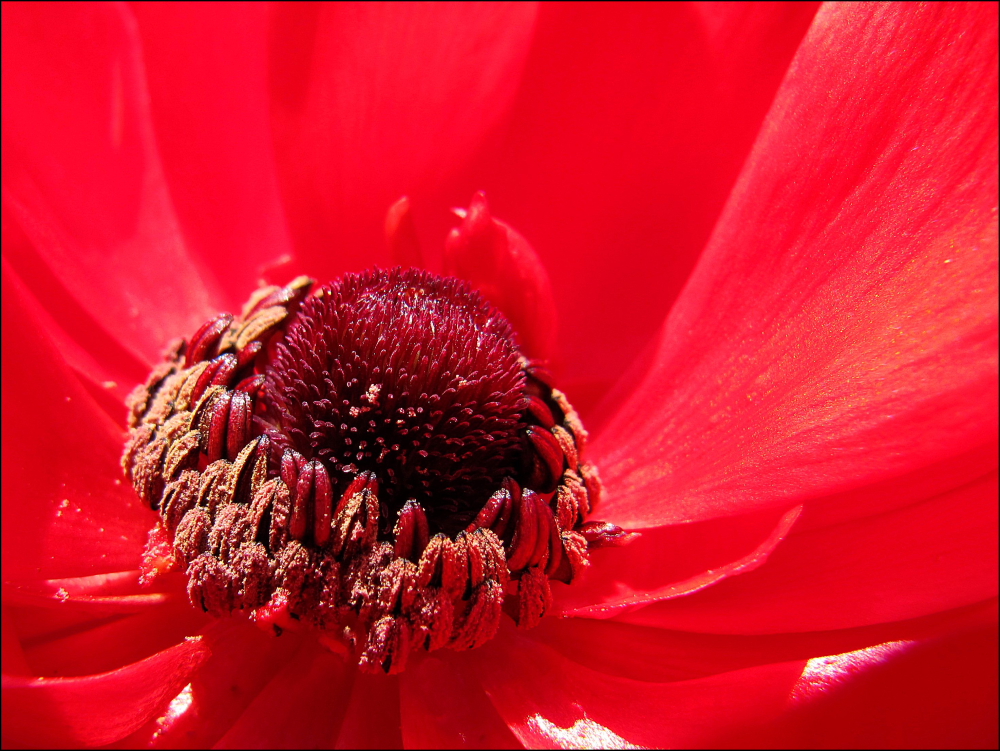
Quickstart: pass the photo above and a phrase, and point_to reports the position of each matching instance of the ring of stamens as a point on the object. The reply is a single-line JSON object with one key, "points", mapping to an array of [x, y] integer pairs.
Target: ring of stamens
{"points": [[290, 539]]}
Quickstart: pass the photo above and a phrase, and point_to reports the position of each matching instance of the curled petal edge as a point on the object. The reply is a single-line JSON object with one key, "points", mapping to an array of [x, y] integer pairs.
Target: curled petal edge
{"points": [[628, 603]]}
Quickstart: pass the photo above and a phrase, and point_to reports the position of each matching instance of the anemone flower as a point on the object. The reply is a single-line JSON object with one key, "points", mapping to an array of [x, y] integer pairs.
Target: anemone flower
{"points": [[769, 233]]}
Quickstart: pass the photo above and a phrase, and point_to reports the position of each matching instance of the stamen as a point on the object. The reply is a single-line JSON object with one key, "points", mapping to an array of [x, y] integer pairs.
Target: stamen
{"points": [[375, 461]]}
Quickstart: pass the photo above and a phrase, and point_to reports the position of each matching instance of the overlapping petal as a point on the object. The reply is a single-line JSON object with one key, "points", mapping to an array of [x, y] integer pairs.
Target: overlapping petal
{"points": [[372, 102], [206, 68], [96, 709], [940, 694], [302, 706], [442, 705], [924, 558], [550, 702], [68, 512], [624, 141], [82, 179], [841, 328], [242, 664]]}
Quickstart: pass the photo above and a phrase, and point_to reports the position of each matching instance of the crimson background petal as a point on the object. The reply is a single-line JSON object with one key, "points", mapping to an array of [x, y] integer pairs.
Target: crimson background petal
{"points": [[841, 327], [302, 706], [206, 68], [243, 662], [627, 133], [97, 709], [921, 559], [370, 102], [67, 509], [442, 705], [548, 701], [938, 694], [661, 655], [81, 174]]}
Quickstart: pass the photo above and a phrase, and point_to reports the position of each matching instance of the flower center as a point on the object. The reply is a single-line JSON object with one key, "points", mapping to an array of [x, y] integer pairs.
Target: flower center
{"points": [[375, 461], [406, 375]]}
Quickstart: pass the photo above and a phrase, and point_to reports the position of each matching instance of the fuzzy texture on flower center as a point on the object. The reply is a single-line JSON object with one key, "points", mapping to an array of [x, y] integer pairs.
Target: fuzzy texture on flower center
{"points": [[413, 377], [375, 461]]}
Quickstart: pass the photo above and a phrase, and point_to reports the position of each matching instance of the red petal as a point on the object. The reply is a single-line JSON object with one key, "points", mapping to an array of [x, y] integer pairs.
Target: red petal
{"points": [[922, 559], [502, 265], [13, 656], [671, 562], [442, 705], [841, 328], [626, 137], [942, 694], [243, 662], [109, 367], [97, 709], [372, 102], [67, 510], [549, 701], [658, 655], [89, 592], [207, 72], [302, 706], [110, 644], [81, 175], [45, 609], [372, 719]]}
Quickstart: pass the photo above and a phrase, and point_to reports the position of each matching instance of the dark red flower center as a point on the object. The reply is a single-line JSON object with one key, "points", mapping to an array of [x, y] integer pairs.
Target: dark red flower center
{"points": [[376, 461], [412, 377]]}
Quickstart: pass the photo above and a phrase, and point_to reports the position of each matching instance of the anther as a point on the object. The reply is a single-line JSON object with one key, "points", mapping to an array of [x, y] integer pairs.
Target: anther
{"points": [[455, 566], [259, 326], [238, 428], [183, 454], [429, 565], [511, 500], [213, 487], [546, 522], [322, 503], [575, 560], [605, 534], [249, 470], [186, 397], [223, 366], [411, 531], [291, 464], [388, 645], [555, 547], [286, 296], [540, 411], [251, 385], [522, 547], [248, 354], [482, 619], [206, 338], [302, 500], [491, 511], [534, 597], [565, 441], [432, 614], [549, 458], [355, 522], [217, 419], [179, 497]]}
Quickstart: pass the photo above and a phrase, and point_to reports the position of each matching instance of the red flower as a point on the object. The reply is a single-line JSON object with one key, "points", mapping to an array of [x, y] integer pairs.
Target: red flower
{"points": [[829, 182]]}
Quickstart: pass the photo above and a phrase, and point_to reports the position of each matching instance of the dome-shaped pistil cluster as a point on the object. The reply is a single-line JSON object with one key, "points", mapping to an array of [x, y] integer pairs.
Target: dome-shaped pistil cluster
{"points": [[412, 377], [375, 460]]}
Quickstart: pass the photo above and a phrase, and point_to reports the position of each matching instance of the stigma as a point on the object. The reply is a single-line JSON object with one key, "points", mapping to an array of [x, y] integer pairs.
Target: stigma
{"points": [[373, 459]]}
